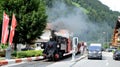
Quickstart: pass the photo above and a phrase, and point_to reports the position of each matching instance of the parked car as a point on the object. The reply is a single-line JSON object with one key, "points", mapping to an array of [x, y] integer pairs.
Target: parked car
{"points": [[111, 49], [27, 48], [116, 55]]}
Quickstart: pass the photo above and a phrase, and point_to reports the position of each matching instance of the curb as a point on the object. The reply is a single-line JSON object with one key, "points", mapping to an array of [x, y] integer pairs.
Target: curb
{"points": [[12, 61], [82, 57]]}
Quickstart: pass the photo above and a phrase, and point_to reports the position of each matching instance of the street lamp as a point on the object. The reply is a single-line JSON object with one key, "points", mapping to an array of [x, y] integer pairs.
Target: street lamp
{"points": [[106, 37]]}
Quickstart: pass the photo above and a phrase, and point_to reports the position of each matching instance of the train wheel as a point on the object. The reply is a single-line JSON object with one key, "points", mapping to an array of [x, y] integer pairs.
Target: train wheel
{"points": [[57, 55]]}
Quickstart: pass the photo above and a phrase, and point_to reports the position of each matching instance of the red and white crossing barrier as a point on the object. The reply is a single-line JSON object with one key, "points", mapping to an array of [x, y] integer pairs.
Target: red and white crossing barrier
{"points": [[12, 61]]}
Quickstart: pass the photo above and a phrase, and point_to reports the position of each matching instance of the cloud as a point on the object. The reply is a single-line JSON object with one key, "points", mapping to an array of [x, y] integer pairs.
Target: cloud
{"points": [[112, 4]]}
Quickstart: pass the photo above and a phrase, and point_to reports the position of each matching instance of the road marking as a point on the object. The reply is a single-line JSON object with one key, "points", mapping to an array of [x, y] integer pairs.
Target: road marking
{"points": [[107, 63]]}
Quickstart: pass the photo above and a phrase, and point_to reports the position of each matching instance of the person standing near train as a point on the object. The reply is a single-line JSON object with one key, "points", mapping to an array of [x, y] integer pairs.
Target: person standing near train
{"points": [[82, 48]]}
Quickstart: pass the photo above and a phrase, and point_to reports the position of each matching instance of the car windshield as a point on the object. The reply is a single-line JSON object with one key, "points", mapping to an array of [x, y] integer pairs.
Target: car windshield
{"points": [[92, 48]]}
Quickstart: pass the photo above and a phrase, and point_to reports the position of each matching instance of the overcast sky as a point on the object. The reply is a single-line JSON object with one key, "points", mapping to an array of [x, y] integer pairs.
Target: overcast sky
{"points": [[112, 4]]}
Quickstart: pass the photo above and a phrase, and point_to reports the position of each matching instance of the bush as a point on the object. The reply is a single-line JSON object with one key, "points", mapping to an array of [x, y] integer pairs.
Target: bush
{"points": [[14, 53], [3, 46], [2, 49], [118, 48], [29, 53], [2, 53]]}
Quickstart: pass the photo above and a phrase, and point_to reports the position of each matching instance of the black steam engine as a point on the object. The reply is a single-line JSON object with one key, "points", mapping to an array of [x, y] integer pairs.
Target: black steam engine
{"points": [[56, 47]]}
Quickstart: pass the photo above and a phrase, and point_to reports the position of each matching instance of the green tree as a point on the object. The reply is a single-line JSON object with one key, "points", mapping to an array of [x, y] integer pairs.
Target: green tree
{"points": [[1, 16], [31, 18]]}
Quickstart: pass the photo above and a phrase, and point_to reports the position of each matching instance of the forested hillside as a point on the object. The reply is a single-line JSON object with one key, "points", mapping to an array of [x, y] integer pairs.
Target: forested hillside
{"points": [[97, 12], [93, 17]]}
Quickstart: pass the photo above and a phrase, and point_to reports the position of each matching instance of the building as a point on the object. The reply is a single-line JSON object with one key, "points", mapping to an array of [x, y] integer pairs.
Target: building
{"points": [[116, 34]]}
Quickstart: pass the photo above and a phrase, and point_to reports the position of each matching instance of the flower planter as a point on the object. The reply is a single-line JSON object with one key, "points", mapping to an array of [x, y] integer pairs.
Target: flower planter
{"points": [[2, 53]]}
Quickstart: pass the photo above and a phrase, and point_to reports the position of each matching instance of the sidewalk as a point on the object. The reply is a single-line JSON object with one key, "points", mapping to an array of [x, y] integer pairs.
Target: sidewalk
{"points": [[12, 61], [68, 63]]}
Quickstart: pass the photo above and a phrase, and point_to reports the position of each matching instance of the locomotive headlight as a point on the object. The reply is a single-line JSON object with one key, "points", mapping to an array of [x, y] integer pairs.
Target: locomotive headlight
{"points": [[58, 46], [42, 45]]}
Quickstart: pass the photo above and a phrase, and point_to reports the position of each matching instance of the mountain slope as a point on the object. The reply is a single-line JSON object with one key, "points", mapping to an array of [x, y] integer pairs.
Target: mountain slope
{"points": [[83, 17], [98, 12]]}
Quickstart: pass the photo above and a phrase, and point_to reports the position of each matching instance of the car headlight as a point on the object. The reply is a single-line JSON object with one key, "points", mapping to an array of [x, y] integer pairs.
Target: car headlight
{"points": [[42, 45], [89, 52], [99, 52]]}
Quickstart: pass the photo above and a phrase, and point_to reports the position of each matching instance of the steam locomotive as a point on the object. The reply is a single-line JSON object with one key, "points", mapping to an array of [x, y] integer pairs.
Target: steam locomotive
{"points": [[57, 47]]}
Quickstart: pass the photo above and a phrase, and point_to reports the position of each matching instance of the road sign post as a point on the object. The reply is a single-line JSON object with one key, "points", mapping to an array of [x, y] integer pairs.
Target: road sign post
{"points": [[74, 45], [8, 52]]}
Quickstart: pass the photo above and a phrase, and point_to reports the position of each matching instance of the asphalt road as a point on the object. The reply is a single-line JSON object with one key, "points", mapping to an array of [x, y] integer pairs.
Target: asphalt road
{"points": [[107, 61], [39, 63]]}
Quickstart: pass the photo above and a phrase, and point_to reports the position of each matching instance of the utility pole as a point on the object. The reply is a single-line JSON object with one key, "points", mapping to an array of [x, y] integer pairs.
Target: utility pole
{"points": [[105, 37]]}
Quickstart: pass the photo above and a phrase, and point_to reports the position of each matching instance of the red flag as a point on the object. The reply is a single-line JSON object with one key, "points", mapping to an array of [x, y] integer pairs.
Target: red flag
{"points": [[12, 31], [5, 30]]}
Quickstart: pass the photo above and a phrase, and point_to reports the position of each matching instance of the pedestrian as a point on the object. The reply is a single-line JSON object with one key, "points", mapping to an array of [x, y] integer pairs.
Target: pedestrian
{"points": [[82, 48], [79, 44]]}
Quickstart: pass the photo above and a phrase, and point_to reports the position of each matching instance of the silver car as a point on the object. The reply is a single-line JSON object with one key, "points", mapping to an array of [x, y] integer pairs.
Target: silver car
{"points": [[94, 52]]}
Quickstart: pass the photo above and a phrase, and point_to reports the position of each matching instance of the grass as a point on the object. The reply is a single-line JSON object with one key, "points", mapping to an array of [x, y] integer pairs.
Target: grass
{"points": [[2, 58]]}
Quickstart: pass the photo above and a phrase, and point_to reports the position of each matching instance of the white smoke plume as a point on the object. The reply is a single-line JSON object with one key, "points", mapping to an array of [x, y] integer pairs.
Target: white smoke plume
{"points": [[75, 20]]}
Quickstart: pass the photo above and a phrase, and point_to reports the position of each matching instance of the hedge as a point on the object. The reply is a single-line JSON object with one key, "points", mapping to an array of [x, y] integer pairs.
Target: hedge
{"points": [[29, 53]]}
